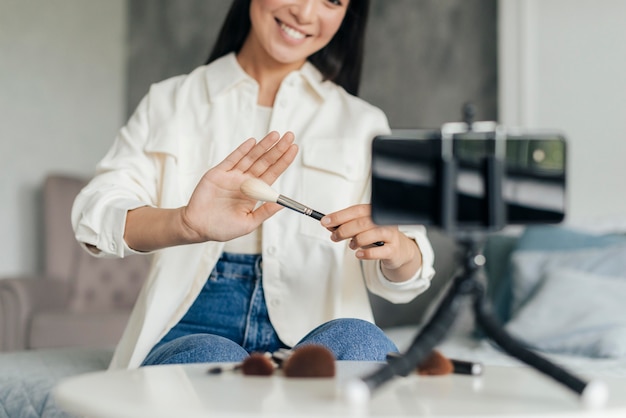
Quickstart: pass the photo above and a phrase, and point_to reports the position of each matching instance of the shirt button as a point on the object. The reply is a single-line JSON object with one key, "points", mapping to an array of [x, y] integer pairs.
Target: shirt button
{"points": [[275, 302], [113, 247], [283, 103], [271, 250]]}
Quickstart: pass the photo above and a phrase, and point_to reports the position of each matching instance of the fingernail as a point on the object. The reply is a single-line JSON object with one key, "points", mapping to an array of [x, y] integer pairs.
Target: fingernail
{"points": [[325, 221], [359, 254]]}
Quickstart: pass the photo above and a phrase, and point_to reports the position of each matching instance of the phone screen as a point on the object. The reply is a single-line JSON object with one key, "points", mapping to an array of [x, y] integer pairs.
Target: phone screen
{"points": [[472, 180]]}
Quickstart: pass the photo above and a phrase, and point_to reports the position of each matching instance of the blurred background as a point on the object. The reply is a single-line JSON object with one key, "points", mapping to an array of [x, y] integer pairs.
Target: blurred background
{"points": [[72, 71]]}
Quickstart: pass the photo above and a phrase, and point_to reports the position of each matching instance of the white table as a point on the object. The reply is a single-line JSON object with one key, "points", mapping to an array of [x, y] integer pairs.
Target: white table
{"points": [[188, 391]]}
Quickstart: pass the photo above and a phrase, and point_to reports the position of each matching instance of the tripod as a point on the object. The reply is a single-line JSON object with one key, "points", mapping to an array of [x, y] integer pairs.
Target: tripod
{"points": [[457, 178], [592, 394]]}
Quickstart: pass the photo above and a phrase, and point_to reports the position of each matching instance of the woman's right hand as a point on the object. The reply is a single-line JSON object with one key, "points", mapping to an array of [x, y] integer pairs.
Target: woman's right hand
{"points": [[217, 210]]}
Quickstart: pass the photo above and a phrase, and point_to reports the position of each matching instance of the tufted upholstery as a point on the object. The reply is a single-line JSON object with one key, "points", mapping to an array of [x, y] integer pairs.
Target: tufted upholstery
{"points": [[78, 300], [105, 285]]}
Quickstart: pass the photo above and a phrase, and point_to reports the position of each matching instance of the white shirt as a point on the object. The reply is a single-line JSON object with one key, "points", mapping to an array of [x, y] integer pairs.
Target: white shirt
{"points": [[187, 124]]}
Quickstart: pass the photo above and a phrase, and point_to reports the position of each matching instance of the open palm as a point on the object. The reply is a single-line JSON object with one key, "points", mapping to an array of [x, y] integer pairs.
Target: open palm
{"points": [[217, 210]]}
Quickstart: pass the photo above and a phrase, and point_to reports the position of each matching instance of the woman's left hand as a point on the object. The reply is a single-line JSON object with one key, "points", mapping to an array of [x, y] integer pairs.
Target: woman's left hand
{"points": [[399, 255]]}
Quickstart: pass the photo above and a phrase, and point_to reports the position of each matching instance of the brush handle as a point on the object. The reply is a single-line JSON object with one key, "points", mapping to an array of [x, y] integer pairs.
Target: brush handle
{"points": [[467, 367], [316, 215], [223, 369], [299, 207]]}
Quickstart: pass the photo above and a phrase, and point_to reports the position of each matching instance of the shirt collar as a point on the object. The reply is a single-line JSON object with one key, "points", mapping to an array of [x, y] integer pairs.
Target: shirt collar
{"points": [[315, 79], [225, 73]]}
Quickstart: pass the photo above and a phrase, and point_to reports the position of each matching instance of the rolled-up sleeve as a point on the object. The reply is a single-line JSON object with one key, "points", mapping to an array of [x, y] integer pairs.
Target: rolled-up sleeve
{"points": [[403, 292], [102, 227]]}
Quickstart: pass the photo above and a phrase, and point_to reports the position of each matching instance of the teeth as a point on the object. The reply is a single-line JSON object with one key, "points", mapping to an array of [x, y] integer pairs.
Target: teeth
{"points": [[292, 32]]}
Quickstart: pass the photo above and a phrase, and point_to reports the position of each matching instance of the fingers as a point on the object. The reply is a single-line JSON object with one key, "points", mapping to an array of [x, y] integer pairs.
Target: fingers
{"points": [[267, 159], [272, 156], [269, 151], [265, 211], [344, 217], [238, 154], [257, 151], [355, 224], [274, 170]]}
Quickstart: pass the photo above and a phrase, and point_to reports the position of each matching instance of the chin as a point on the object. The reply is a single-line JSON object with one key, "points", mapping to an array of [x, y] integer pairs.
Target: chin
{"points": [[289, 59]]}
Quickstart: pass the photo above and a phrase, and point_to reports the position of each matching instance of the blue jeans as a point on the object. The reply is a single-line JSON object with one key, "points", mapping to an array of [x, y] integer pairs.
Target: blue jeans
{"points": [[229, 319]]}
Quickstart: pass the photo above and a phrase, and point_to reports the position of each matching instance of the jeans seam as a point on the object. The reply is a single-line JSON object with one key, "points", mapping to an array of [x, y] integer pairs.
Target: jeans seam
{"points": [[253, 297]]}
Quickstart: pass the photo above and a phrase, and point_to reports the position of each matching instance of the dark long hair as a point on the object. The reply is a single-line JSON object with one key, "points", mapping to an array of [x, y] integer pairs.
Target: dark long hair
{"points": [[340, 61]]}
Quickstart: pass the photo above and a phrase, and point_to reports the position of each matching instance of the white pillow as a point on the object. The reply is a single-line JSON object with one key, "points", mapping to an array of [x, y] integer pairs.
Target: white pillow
{"points": [[529, 266], [574, 312]]}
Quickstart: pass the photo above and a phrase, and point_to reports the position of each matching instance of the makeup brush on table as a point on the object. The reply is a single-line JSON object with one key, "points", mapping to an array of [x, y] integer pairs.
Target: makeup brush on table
{"points": [[259, 190], [257, 364], [310, 360]]}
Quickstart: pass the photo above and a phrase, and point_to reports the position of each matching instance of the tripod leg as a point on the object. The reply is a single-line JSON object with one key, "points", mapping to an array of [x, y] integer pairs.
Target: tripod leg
{"points": [[431, 334]]}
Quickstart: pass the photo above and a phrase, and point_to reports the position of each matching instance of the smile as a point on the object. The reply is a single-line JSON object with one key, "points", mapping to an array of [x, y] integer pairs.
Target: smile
{"points": [[291, 32]]}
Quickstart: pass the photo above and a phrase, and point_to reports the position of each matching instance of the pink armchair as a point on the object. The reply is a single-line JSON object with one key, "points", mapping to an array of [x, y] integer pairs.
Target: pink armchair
{"points": [[78, 300]]}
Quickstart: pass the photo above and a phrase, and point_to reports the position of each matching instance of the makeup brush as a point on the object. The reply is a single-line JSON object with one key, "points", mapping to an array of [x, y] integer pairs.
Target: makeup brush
{"points": [[259, 190], [256, 364], [438, 364], [224, 369]]}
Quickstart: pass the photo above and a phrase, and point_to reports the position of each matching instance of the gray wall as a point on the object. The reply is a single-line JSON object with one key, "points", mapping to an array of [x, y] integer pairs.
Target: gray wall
{"points": [[424, 58], [62, 90], [168, 38]]}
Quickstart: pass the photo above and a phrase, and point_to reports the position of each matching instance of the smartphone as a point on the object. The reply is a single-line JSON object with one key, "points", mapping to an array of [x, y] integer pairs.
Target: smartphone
{"points": [[471, 180]]}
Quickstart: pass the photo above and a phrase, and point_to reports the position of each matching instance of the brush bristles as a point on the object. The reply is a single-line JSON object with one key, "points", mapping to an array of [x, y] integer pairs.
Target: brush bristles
{"points": [[257, 189], [310, 360], [435, 364], [257, 364]]}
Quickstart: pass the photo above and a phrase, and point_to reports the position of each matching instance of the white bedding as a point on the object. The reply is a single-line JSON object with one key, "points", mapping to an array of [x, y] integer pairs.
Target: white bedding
{"points": [[26, 378]]}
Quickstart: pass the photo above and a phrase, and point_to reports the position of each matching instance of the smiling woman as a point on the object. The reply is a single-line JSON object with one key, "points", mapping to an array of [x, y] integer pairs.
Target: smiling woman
{"points": [[424, 58], [231, 277]]}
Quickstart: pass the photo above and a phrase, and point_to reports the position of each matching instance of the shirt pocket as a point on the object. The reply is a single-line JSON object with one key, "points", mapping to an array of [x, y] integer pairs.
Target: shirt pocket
{"points": [[334, 176]]}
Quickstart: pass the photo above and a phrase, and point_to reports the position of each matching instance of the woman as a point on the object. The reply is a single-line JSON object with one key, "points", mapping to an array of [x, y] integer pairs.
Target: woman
{"points": [[230, 276]]}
